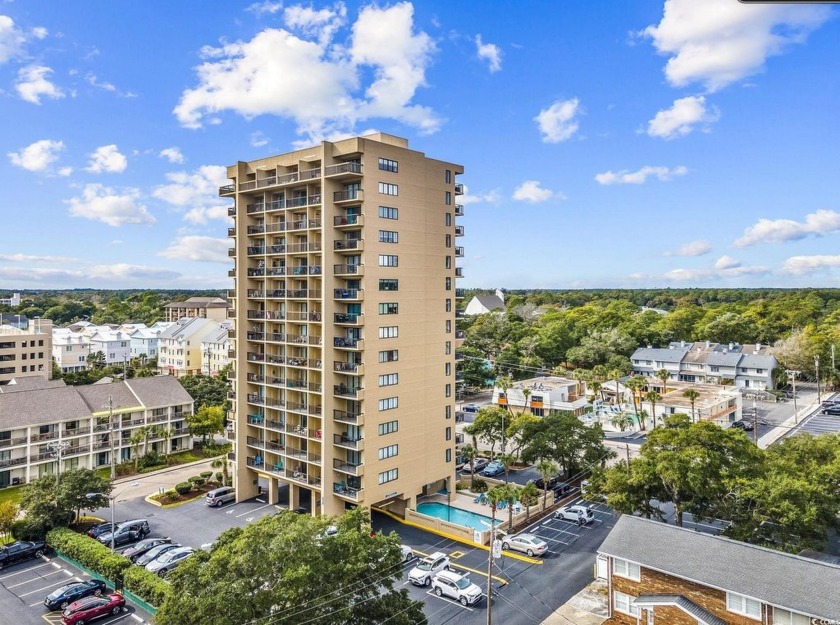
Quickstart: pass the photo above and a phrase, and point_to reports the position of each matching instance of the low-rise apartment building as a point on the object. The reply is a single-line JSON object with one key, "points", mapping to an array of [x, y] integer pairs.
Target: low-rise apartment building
{"points": [[179, 346], [26, 352], [542, 395], [662, 574], [70, 350], [144, 341], [42, 420], [215, 350], [718, 404], [114, 345], [201, 307]]}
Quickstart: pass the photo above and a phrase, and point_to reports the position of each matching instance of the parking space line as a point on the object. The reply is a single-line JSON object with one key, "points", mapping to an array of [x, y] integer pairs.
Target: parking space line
{"points": [[37, 578], [252, 511], [32, 592], [40, 566], [450, 600]]}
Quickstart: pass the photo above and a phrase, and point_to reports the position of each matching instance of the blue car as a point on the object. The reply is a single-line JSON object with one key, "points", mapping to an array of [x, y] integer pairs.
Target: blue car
{"points": [[493, 469], [64, 596]]}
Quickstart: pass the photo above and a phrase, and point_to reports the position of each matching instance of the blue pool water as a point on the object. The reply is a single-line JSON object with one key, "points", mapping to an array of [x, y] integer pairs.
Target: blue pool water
{"points": [[455, 515]]}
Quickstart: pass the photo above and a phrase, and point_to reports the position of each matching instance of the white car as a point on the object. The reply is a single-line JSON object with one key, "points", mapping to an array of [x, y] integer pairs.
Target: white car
{"points": [[457, 587], [579, 514], [427, 568], [527, 543], [407, 553]]}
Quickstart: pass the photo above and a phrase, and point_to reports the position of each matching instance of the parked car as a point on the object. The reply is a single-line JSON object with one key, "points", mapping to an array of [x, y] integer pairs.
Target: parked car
{"points": [[155, 552], [493, 469], [144, 546], [458, 587], [220, 496], [92, 608], [60, 598], [470, 408], [127, 532], [407, 553], [575, 513], [163, 564], [560, 489], [427, 568], [832, 410], [741, 424], [527, 543], [97, 530], [584, 492], [20, 551], [479, 464]]}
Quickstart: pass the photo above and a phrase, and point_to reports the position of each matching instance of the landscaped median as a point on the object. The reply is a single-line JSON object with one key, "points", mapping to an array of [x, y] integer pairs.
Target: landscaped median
{"points": [[112, 566]]}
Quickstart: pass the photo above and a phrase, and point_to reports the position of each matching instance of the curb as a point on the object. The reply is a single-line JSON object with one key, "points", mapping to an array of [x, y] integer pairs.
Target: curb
{"points": [[786, 426], [140, 476], [148, 498]]}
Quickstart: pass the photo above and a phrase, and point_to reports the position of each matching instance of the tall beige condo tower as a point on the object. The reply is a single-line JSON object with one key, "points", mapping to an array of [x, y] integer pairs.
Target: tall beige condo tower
{"points": [[344, 341]]}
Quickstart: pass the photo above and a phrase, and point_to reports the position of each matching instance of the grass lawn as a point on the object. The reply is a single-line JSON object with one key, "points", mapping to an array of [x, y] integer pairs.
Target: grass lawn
{"points": [[11, 493]]}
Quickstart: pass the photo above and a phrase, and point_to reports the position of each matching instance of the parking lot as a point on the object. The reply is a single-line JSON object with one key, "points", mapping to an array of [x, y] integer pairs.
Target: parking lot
{"points": [[24, 586], [817, 423], [525, 590]]}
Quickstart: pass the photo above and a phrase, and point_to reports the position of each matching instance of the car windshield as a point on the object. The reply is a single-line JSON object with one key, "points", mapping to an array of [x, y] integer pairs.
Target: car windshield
{"points": [[425, 565], [463, 583]]}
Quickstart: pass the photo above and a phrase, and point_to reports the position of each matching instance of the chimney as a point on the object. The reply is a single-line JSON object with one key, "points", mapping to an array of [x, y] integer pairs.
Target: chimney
{"points": [[650, 346], [708, 344], [758, 347], [682, 343], [731, 346]]}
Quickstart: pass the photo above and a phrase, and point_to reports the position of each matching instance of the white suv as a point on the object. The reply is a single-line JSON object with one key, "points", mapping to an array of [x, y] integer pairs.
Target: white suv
{"points": [[427, 568], [458, 587], [581, 514]]}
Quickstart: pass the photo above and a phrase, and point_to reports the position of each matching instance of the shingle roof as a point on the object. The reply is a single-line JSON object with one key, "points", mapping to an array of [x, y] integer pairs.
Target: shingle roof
{"points": [[490, 302], [703, 616], [29, 383], [157, 391], [720, 359], [759, 361], [660, 354], [96, 397], [40, 406], [200, 302], [773, 577]]}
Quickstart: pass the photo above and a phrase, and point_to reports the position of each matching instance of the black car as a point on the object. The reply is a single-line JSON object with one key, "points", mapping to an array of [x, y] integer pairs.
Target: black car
{"points": [[832, 410], [103, 528], [20, 551], [747, 426], [144, 546], [540, 482], [64, 596]]}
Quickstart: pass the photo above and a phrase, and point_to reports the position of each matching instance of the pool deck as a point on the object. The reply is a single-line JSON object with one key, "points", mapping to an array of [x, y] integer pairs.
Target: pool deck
{"points": [[464, 502]]}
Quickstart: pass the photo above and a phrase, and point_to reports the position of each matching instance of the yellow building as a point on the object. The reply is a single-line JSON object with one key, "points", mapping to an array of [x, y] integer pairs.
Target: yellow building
{"points": [[344, 307]]}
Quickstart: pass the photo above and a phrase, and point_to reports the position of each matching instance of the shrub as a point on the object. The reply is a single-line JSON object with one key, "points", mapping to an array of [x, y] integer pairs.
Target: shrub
{"points": [[194, 478], [478, 485], [206, 474], [27, 529], [124, 468], [151, 468], [197, 482], [183, 488], [146, 585], [150, 459], [219, 476]]}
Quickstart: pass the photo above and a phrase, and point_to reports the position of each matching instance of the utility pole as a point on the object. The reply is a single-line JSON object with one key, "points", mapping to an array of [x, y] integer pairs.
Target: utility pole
{"points": [[490, 565], [817, 367], [791, 373], [755, 423], [57, 450], [111, 435], [627, 451]]}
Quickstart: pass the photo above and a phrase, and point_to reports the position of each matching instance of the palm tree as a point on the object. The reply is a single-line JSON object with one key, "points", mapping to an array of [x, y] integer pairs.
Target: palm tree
{"points": [[663, 375], [616, 373], [692, 396], [504, 383], [547, 469], [635, 385], [527, 393], [653, 397], [148, 432], [166, 434], [222, 463], [595, 385], [468, 451], [512, 495], [622, 421], [135, 441], [507, 460], [529, 495]]}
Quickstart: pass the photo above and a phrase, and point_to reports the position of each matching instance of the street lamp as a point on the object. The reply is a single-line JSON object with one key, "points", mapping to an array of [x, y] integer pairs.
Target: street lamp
{"points": [[113, 500]]}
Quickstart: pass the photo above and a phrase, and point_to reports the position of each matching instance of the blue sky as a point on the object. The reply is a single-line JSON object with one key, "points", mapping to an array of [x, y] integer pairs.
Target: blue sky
{"points": [[606, 143]]}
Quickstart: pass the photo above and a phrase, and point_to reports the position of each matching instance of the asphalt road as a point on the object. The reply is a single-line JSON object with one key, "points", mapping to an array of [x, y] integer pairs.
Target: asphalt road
{"points": [[817, 423], [524, 592]]}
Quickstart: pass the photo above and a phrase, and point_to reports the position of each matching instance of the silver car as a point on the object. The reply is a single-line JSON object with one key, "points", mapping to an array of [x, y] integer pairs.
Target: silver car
{"points": [[526, 543], [169, 560]]}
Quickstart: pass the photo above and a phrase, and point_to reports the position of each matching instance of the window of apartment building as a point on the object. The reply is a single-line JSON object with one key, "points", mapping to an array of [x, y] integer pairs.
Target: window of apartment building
{"points": [[389, 260], [389, 403], [623, 603], [389, 332], [389, 284], [447, 176], [448, 305], [389, 355], [448, 455], [625, 568], [448, 283], [388, 476], [743, 605], [448, 326], [448, 219], [389, 379], [389, 236], [448, 240], [388, 189], [388, 452], [449, 198], [786, 617], [389, 308], [386, 164], [448, 348], [449, 390], [448, 262], [447, 369], [389, 212], [389, 427], [449, 434], [448, 412]]}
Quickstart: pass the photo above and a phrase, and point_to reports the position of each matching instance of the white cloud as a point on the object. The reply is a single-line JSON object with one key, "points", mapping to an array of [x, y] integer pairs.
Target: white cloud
{"points": [[693, 248], [727, 262], [325, 86], [531, 191], [258, 139], [65, 171], [26, 258], [101, 203], [37, 156], [717, 42], [203, 214], [190, 189], [206, 249], [32, 84], [640, 177], [39, 32], [265, 8], [93, 81], [107, 159], [682, 117], [724, 268], [122, 271], [558, 122], [173, 155], [116, 275], [491, 197], [819, 223], [11, 39], [489, 52], [804, 265]]}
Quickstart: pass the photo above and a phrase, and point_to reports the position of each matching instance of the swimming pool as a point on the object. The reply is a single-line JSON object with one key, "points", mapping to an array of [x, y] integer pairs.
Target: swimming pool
{"points": [[455, 515]]}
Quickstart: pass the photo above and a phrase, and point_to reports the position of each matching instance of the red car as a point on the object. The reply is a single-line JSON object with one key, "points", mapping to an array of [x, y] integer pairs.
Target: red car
{"points": [[92, 608]]}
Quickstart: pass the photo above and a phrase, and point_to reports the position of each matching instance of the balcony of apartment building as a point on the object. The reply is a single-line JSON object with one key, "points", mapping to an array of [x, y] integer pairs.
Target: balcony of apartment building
{"points": [[348, 195], [354, 270], [460, 293], [349, 368], [340, 171], [348, 488], [349, 245], [226, 191], [348, 343], [459, 231], [348, 319], [459, 188], [11, 438], [352, 416], [349, 294], [350, 221], [349, 441], [459, 210], [459, 251], [348, 391], [6, 463], [232, 231], [72, 429], [350, 467], [297, 315], [459, 272], [45, 433], [231, 211]]}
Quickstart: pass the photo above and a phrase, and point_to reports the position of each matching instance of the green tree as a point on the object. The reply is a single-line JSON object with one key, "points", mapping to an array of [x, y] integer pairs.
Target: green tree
{"points": [[562, 437], [547, 470], [507, 461], [281, 568], [516, 431], [223, 463], [205, 421], [529, 495], [664, 375], [469, 452], [76, 484], [652, 397], [692, 396], [635, 384], [209, 390], [488, 426], [622, 421], [8, 514], [135, 440], [49, 502]]}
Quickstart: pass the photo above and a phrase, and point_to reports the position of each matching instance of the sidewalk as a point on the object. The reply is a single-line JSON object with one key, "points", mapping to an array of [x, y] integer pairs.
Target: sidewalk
{"points": [[150, 483], [588, 607], [783, 428]]}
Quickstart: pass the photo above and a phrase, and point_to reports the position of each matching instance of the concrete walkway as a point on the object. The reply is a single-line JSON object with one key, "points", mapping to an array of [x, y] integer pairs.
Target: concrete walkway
{"points": [[150, 483], [783, 428], [588, 607]]}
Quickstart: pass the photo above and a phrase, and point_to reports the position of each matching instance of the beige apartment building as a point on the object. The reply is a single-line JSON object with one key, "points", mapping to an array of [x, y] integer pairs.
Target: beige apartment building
{"points": [[201, 307], [344, 302], [26, 352]]}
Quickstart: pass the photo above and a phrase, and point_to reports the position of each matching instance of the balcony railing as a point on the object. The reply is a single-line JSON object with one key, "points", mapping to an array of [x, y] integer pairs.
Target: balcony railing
{"points": [[459, 188], [43, 437], [459, 231], [255, 442], [347, 417], [339, 341], [76, 432], [460, 293], [9, 442], [346, 441], [349, 194], [231, 210], [339, 488], [347, 318], [12, 462], [347, 220], [227, 189], [459, 210], [345, 391], [347, 244], [345, 367], [459, 272], [347, 293], [346, 467], [340, 270], [343, 168], [459, 251]]}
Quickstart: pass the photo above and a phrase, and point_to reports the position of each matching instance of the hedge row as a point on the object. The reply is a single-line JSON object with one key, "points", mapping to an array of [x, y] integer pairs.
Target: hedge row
{"points": [[99, 558]]}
